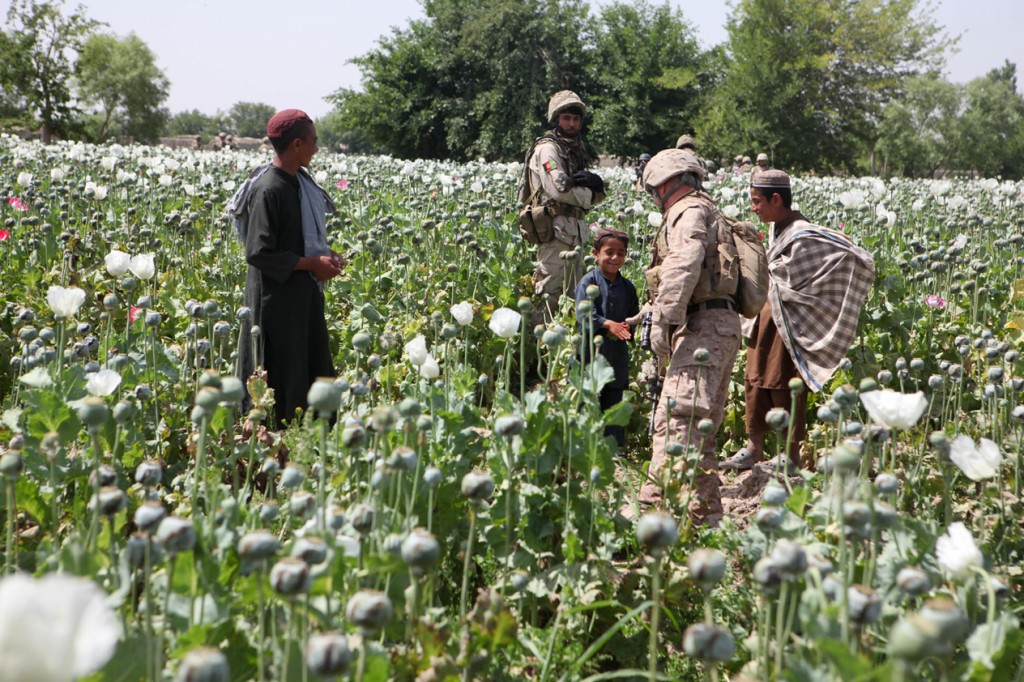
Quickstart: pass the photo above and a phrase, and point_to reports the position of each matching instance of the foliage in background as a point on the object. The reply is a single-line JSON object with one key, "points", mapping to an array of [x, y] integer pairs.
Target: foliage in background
{"points": [[37, 65], [649, 74], [939, 125], [470, 80], [119, 76], [195, 122], [249, 119], [807, 79]]}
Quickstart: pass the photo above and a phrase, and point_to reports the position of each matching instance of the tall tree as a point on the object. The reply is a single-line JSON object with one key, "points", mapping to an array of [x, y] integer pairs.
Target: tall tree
{"points": [[992, 125], [919, 132], [808, 78], [38, 65], [471, 79], [648, 77], [120, 77], [249, 119]]}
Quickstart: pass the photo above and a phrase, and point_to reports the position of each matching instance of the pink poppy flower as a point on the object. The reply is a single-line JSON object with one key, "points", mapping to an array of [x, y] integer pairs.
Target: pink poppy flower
{"points": [[135, 313], [16, 204], [342, 184], [4, 235], [934, 301]]}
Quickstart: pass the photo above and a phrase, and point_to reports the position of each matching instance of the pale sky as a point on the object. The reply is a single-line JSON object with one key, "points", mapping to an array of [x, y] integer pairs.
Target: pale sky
{"points": [[218, 52]]}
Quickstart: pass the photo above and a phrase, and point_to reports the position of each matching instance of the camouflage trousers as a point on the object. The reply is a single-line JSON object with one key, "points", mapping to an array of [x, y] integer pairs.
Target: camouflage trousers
{"points": [[553, 273], [697, 391]]}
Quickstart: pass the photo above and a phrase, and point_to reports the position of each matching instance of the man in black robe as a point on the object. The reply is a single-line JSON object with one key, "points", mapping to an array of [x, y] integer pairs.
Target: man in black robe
{"points": [[283, 284]]}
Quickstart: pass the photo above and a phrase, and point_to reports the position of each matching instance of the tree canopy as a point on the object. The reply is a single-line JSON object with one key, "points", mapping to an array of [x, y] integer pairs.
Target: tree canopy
{"points": [[471, 79], [120, 78], [649, 75], [808, 79], [249, 119], [37, 55]]}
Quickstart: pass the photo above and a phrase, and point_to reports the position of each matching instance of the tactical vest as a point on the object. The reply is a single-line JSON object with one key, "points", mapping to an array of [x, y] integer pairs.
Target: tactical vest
{"points": [[720, 271], [525, 193]]}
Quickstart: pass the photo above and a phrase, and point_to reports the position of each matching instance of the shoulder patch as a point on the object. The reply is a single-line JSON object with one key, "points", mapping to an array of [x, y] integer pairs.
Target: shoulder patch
{"points": [[550, 166]]}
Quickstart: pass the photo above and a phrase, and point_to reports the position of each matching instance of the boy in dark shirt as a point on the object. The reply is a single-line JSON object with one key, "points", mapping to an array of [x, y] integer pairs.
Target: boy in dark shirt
{"points": [[616, 301]]}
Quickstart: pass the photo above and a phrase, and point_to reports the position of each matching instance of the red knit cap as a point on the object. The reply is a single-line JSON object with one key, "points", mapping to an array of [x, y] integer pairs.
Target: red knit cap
{"points": [[283, 121]]}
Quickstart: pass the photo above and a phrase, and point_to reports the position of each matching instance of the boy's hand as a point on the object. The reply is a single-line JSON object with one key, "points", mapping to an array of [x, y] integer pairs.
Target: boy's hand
{"points": [[619, 330]]}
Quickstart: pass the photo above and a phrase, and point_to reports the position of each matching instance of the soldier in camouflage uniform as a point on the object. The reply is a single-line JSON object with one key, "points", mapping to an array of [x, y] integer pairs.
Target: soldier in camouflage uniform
{"points": [[557, 178], [696, 329]]}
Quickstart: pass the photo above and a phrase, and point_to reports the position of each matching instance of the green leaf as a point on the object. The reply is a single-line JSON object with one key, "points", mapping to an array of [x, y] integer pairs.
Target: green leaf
{"points": [[798, 501], [619, 414], [128, 663]]}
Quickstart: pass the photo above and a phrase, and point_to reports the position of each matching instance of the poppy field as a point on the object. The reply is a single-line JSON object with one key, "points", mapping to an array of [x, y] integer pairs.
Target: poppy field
{"points": [[442, 514]]}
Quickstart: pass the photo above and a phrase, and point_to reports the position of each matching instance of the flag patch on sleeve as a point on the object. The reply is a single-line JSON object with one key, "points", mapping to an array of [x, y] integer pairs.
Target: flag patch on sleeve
{"points": [[550, 166]]}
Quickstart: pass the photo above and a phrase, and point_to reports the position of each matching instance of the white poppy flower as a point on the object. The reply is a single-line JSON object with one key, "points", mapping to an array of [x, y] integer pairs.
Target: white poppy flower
{"points": [[416, 350], [731, 210], [54, 629], [165, 180], [852, 199], [107, 163], [430, 369], [102, 383], [977, 463], [957, 552], [57, 174], [143, 265], [917, 205], [462, 312], [64, 302], [97, 192], [189, 188], [654, 219], [893, 409], [117, 262], [24, 179], [960, 242], [505, 322], [477, 187]]}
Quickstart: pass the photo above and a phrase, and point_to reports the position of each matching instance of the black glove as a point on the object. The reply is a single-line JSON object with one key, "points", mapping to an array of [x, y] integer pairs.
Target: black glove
{"points": [[591, 181]]}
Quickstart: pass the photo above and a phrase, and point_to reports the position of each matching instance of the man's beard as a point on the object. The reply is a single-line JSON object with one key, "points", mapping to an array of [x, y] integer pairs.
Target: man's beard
{"points": [[562, 133]]}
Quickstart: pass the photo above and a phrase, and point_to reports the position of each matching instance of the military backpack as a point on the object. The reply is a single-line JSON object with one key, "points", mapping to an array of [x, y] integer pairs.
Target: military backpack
{"points": [[752, 291]]}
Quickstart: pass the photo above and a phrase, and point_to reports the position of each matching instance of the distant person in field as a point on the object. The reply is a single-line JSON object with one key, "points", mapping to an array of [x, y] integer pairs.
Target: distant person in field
{"points": [[280, 213], [687, 142], [818, 280], [556, 177], [761, 165]]}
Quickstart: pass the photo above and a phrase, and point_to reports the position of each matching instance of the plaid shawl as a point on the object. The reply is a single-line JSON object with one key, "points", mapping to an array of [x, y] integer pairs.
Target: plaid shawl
{"points": [[818, 282]]}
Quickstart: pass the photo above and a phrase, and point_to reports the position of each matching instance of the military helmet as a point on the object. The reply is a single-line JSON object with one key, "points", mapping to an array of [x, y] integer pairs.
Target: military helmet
{"points": [[561, 101], [669, 163], [762, 157], [685, 141]]}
